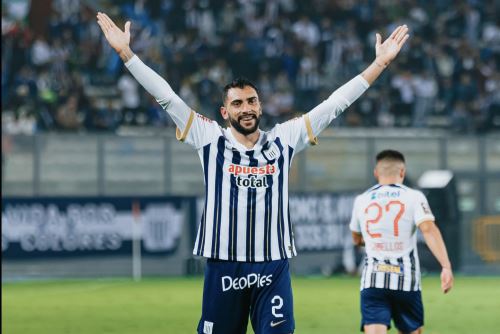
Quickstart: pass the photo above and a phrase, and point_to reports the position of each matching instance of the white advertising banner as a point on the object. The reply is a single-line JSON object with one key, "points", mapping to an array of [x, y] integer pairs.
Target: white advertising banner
{"points": [[35, 227]]}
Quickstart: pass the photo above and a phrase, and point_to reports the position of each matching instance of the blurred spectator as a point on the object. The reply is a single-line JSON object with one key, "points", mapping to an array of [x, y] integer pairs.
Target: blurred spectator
{"points": [[279, 99], [460, 119], [306, 31], [188, 95], [403, 84], [106, 116], [297, 52], [41, 52], [426, 89], [67, 115], [129, 89], [308, 83]]}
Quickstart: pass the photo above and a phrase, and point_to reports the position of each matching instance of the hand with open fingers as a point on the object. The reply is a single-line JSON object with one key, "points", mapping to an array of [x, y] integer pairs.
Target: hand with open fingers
{"points": [[117, 38], [385, 52], [446, 280]]}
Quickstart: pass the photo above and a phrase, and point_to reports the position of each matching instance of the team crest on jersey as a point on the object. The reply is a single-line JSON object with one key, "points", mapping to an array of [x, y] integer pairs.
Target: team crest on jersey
{"points": [[271, 151]]}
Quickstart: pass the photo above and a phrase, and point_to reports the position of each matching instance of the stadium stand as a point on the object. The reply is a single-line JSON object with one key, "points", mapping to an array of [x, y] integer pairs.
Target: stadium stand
{"points": [[58, 75]]}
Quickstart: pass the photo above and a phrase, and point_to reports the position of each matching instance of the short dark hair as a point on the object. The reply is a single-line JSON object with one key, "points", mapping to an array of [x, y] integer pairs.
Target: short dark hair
{"points": [[237, 83], [390, 155]]}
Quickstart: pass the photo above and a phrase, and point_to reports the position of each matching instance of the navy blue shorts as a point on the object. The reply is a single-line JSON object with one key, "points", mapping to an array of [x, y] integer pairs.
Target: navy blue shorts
{"points": [[235, 291], [379, 306]]}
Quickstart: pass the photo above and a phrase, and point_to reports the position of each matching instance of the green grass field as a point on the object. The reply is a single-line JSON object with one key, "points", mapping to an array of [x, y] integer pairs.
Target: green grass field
{"points": [[322, 305]]}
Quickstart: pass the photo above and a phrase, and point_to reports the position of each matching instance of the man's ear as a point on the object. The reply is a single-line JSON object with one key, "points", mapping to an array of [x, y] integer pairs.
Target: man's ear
{"points": [[224, 112], [375, 173], [402, 172]]}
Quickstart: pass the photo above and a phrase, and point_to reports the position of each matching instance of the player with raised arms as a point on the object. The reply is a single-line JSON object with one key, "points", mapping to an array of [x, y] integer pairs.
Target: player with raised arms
{"points": [[385, 219], [245, 230]]}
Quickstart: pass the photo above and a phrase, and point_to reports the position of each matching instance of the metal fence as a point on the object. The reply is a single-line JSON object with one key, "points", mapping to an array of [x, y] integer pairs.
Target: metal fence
{"points": [[156, 164]]}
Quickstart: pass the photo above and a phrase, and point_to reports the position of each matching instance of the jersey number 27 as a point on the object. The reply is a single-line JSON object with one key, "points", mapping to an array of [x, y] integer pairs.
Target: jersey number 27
{"points": [[379, 212]]}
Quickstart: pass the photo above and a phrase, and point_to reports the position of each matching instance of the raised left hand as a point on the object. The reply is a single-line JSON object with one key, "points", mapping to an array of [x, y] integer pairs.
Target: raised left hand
{"points": [[388, 50]]}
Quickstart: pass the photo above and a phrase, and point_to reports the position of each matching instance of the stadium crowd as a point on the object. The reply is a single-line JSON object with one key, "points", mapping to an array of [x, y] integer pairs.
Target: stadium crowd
{"points": [[59, 74]]}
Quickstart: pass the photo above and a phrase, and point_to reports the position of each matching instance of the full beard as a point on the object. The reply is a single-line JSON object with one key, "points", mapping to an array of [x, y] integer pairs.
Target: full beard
{"points": [[235, 123]]}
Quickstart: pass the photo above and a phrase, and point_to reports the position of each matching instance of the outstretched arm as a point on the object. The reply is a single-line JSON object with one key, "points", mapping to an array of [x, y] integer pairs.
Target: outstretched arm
{"points": [[119, 40], [322, 115], [435, 242]]}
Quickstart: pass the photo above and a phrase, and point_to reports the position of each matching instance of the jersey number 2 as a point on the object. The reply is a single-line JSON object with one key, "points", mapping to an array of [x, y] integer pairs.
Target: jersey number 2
{"points": [[379, 214], [274, 310]]}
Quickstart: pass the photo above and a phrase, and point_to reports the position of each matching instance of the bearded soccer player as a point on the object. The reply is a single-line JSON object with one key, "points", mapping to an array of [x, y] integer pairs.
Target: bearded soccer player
{"points": [[245, 231], [385, 219]]}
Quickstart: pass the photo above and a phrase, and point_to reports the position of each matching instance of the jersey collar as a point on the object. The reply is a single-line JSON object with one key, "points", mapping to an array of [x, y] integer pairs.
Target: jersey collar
{"points": [[234, 143]]}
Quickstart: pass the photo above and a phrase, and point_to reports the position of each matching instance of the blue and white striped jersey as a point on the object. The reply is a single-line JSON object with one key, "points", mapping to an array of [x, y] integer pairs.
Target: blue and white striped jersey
{"points": [[246, 216], [388, 216]]}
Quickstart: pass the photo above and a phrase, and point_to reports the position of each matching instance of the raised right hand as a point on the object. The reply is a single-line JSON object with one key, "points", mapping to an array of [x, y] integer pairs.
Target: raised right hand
{"points": [[118, 39]]}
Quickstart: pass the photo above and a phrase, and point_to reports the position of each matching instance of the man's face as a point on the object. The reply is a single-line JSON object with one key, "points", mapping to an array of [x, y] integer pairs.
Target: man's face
{"points": [[242, 109]]}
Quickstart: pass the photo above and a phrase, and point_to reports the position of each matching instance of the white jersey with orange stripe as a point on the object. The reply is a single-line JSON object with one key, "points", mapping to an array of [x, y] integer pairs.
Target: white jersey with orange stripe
{"points": [[246, 216], [387, 216]]}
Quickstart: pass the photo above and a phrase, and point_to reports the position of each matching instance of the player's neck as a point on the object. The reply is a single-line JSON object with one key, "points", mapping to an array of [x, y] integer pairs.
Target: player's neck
{"points": [[389, 180], [248, 140]]}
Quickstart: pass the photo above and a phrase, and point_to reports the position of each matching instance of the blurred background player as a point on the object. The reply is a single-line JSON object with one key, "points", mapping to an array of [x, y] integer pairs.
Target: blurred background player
{"points": [[384, 219], [245, 230]]}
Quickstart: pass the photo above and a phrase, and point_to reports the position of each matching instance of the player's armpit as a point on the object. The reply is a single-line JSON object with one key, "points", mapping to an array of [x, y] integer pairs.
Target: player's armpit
{"points": [[357, 239]]}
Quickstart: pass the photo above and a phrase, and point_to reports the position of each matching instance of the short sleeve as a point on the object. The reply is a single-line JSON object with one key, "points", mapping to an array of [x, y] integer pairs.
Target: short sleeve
{"points": [[354, 224], [199, 131], [422, 211], [297, 133]]}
